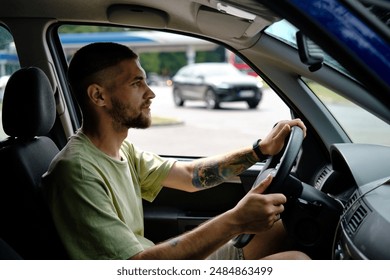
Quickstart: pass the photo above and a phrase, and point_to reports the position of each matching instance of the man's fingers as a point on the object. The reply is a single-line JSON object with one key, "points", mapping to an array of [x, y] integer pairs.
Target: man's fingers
{"points": [[278, 200], [283, 132], [298, 122], [295, 122], [260, 188]]}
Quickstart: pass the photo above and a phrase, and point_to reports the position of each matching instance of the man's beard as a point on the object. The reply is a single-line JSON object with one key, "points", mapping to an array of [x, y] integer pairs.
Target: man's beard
{"points": [[121, 118]]}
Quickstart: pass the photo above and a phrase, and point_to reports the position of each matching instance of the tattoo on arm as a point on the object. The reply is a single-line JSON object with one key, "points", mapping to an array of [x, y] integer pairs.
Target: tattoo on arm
{"points": [[212, 172], [206, 175]]}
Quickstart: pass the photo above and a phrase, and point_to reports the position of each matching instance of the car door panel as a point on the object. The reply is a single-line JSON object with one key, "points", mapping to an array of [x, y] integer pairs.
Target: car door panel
{"points": [[174, 212]]}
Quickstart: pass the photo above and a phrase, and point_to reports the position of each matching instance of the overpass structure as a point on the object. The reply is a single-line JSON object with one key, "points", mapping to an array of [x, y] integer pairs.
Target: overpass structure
{"points": [[139, 41]]}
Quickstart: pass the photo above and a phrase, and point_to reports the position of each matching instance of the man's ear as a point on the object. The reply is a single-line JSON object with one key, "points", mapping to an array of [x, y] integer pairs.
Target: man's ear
{"points": [[95, 94]]}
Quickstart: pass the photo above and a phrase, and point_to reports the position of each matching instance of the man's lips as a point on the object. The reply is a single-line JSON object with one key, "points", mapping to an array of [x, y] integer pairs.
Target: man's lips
{"points": [[147, 106]]}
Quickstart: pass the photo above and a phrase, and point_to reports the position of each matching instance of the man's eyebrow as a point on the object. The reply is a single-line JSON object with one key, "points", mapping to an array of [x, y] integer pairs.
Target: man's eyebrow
{"points": [[137, 78]]}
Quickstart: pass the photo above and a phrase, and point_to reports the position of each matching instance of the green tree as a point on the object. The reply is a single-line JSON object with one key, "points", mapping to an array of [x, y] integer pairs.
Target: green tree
{"points": [[89, 28], [217, 55], [171, 62], [150, 62]]}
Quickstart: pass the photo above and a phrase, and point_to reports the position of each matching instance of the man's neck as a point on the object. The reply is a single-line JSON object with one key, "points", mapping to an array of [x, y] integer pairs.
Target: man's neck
{"points": [[106, 140]]}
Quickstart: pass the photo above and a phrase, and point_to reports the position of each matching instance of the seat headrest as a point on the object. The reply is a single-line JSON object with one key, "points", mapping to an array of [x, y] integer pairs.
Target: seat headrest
{"points": [[29, 107]]}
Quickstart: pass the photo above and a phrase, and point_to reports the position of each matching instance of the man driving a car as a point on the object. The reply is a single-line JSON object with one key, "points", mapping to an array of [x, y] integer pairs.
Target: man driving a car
{"points": [[96, 184]]}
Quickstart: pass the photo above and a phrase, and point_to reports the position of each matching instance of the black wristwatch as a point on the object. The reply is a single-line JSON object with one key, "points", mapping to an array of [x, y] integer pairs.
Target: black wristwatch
{"points": [[256, 149]]}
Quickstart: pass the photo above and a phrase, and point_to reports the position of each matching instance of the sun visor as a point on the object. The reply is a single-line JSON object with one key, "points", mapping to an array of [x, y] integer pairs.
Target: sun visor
{"points": [[137, 15], [215, 23]]}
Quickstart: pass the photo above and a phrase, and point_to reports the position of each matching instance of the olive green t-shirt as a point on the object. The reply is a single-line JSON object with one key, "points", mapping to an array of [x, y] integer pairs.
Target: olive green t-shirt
{"points": [[96, 201]]}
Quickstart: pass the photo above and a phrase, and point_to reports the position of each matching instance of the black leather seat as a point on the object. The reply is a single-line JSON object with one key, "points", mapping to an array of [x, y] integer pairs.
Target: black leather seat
{"points": [[28, 115]]}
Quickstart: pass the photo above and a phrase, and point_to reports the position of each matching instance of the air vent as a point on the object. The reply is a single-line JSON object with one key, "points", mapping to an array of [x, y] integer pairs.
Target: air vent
{"points": [[357, 218], [351, 201], [323, 175]]}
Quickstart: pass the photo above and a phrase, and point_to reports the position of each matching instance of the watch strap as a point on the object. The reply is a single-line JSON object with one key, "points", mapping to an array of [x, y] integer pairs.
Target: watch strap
{"points": [[256, 149]]}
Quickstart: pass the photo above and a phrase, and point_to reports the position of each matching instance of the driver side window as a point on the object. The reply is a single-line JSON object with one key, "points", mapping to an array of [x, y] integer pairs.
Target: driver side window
{"points": [[9, 63], [186, 127]]}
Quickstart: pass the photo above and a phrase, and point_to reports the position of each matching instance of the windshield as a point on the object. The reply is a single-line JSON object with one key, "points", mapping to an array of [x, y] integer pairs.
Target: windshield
{"points": [[285, 31], [360, 125]]}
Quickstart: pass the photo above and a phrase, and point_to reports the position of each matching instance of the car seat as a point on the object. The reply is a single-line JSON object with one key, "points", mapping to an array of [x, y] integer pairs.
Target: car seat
{"points": [[28, 115]]}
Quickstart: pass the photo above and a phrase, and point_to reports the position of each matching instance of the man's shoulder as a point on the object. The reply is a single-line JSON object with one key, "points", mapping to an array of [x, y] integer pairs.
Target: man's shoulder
{"points": [[70, 155]]}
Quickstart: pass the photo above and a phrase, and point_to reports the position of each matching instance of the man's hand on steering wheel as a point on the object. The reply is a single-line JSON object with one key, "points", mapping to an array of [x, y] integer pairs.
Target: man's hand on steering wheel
{"points": [[279, 164], [257, 212], [274, 142]]}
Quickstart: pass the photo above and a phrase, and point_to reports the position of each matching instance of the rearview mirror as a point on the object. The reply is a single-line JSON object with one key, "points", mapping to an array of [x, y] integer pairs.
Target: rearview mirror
{"points": [[309, 53]]}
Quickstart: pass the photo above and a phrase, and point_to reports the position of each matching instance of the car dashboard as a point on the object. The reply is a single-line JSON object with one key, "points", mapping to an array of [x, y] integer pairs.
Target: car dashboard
{"points": [[359, 177], [365, 223]]}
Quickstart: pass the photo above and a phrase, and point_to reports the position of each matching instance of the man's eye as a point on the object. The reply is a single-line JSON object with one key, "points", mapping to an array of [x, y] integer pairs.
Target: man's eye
{"points": [[136, 84]]}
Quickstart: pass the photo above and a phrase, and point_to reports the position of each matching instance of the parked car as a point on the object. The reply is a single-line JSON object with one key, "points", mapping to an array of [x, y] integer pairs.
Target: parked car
{"points": [[215, 83], [326, 61]]}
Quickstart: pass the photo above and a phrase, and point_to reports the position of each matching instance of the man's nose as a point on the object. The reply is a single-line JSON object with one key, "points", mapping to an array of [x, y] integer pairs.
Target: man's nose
{"points": [[150, 93]]}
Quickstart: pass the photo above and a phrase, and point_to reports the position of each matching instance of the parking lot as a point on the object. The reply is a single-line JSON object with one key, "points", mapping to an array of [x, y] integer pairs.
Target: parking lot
{"points": [[210, 131]]}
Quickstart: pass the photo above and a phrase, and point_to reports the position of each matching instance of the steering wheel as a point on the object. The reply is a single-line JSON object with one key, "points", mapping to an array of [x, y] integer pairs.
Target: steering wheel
{"points": [[279, 166]]}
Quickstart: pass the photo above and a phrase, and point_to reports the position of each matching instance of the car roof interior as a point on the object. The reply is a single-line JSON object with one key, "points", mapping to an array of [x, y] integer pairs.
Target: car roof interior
{"points": [[238, 32]]}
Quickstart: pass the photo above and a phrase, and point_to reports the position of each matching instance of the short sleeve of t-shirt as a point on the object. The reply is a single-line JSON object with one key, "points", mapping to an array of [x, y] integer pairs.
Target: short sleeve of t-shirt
{"points": [[149, 168]]}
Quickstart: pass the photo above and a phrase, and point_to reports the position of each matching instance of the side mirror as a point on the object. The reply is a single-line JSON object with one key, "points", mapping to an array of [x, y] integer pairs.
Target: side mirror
{"points": [[309, 53]]}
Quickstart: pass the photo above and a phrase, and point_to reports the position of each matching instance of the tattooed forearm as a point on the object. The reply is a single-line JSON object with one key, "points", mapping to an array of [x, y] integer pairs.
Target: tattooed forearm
{"points": [[211, 172], [206, 175]]}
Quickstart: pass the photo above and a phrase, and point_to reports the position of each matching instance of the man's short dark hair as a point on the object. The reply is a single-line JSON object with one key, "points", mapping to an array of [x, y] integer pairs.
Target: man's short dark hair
{"points": [[91, 59]]}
